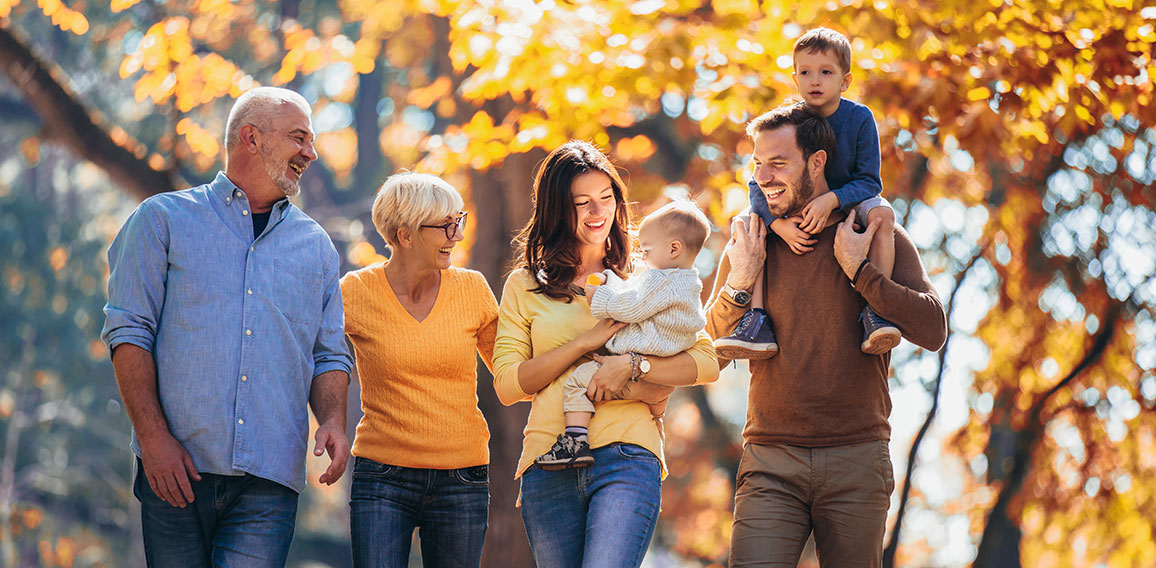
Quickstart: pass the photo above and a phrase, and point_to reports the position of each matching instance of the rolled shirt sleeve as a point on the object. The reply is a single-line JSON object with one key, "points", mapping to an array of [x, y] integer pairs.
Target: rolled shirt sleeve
{"points": [[330, 351], [137, 260]]}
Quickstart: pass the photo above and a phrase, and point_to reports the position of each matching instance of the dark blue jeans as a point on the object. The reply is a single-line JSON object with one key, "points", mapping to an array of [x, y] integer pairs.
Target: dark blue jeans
{"points": [[233, 521], [449, 508], [602, 515]]}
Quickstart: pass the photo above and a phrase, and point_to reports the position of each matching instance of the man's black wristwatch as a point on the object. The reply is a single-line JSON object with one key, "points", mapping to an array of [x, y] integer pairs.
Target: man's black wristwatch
{"points": [[740, 297]]}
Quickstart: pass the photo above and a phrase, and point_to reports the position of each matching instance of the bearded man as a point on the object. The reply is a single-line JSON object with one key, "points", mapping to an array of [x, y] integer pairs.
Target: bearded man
{"points": [[815, 452], [225, 321]]}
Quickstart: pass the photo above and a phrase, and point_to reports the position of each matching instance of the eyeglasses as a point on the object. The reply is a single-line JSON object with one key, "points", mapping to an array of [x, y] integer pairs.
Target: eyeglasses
{"points": [[452, 229]]}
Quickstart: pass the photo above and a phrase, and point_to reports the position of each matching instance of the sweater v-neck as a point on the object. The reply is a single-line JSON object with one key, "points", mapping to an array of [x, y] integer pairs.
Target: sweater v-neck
{"points": [[432, 309]]}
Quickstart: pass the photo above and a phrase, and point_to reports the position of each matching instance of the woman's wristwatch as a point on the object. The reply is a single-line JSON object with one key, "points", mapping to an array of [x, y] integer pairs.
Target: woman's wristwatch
{"points": [[639, 366], [740, 297]]}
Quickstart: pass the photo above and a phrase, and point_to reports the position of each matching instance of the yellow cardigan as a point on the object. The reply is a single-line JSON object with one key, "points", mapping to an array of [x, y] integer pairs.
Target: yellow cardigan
{"points": [[419, 379], [531, 324]]}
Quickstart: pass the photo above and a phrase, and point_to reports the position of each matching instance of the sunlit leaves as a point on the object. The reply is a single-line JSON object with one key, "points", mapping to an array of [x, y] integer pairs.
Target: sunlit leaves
{"points": [[62, 16]]}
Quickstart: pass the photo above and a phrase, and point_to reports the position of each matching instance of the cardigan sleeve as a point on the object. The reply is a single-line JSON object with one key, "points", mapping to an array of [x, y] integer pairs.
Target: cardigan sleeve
{"points": [[637, 303], [512, 343]]}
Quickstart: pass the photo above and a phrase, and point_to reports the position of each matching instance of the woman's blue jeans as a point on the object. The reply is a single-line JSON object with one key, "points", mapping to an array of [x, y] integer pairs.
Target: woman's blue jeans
{"points": [[602, 515], [449, 508]]}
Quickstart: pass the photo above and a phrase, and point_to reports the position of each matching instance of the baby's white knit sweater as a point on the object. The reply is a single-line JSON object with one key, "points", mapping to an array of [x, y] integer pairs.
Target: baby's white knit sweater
{"points": [[662, 307]]}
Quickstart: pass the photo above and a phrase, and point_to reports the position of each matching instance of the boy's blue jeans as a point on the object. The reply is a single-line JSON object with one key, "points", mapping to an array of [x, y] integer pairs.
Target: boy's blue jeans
{"points": [[236, 521], [602, 515], [449, 507]]}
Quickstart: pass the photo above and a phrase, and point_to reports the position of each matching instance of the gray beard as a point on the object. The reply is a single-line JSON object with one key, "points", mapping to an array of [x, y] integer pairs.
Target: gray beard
{"points": [[276, 173]]}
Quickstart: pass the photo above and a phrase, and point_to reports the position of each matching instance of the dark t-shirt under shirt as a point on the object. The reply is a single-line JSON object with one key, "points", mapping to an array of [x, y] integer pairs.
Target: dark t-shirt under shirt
{"points": [[260, 220]]}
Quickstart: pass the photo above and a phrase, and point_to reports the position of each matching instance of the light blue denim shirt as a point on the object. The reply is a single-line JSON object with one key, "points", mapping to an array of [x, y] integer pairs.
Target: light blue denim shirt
{"points": [[238, 326]]}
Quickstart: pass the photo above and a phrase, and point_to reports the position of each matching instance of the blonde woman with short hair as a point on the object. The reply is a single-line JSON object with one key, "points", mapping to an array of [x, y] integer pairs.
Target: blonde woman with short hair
{"points": [[417, 323]]}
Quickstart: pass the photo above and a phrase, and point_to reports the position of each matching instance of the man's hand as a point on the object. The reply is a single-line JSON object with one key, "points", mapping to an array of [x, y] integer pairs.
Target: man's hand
{"points": [[746, 251], [816, 212], [851, 247], [330, 438], [168, 467], [610, 378], [789, 230]]}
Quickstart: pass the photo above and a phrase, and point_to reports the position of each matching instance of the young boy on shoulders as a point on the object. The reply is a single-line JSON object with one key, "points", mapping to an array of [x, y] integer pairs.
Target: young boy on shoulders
{"points": [[822, 63]]}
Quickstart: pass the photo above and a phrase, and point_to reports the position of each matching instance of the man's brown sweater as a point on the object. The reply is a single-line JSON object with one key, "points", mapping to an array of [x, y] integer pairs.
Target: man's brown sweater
{"points": [[821, 390]]}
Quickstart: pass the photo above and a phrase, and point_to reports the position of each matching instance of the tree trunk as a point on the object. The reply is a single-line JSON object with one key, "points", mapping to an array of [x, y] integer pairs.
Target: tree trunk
{"points": [[501, 199], [999, 546]]}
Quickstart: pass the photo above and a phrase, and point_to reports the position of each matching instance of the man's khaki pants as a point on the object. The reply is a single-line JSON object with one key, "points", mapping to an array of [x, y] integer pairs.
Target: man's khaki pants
{"points": [[783, 493]]}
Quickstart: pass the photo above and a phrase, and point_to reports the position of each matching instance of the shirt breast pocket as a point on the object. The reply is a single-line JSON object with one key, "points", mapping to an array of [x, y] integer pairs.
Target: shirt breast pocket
{"points": [[296, 290]]}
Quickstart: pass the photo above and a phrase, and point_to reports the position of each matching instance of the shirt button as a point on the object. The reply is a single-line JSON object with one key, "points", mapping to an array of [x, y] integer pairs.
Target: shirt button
{"points": [[250, 249], [244, 378], [228, 200], [243, 213], [241, 421], [250, 292], [238, 194], [248, 332]]}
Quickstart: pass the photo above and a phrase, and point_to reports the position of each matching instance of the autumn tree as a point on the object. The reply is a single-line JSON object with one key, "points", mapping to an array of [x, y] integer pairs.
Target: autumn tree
{"points": [[1017, 146]]}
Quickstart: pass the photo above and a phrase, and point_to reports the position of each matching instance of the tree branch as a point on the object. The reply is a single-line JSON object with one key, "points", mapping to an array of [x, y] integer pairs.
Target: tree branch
{"points": [[67, 121], [893, 543], [994, 549]]}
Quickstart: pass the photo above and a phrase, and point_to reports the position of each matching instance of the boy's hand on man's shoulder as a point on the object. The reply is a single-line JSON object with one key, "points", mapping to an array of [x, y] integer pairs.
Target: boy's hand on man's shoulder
{"points": [[816, 212], [790, 231]]}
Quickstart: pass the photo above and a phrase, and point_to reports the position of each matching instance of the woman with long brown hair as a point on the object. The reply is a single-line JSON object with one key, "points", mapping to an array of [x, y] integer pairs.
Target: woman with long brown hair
{"points": [[605, 514]]}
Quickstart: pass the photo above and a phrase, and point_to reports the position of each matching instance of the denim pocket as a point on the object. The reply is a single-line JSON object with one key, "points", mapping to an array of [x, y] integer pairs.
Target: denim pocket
{"points": [[367, 467], [635, 452], [477, 475], [295, 290]]}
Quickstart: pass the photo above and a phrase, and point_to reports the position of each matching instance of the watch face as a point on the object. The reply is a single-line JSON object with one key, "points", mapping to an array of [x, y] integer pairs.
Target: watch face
{"points": [[742, 296], [644, 366]]}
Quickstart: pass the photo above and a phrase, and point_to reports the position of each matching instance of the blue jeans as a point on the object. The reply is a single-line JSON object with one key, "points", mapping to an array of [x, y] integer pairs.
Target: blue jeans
{"points": [[602, 515], [449, 507], [233, 521]]}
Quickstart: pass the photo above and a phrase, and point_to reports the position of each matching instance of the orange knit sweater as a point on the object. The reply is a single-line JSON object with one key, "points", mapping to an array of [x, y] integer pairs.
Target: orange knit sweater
{"points": [[419, 379]]}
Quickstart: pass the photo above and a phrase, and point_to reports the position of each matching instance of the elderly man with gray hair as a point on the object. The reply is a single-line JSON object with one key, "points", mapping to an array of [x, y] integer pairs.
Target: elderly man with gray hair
{"points": [[225, 321]]}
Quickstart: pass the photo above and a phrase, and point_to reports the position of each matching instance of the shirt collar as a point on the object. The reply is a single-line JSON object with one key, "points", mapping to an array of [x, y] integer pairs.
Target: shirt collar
{"points": [[228, 191]]}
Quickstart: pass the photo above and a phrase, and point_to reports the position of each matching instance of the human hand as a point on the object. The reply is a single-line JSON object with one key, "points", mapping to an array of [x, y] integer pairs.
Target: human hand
{"points": [[598, 335], [796, 238], [746, 251], [851, 247], [653, 394], [816, 212], [168, 468], [330, 438], [592, 283], [610, 378]]}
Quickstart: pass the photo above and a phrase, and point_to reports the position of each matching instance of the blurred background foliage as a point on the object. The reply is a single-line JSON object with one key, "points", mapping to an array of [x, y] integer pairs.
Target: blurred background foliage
{"points": [[1018, 149]]}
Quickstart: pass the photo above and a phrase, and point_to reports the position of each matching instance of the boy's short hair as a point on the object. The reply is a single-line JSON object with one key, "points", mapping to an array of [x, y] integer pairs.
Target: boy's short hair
{"points": [[812, 131], [826, 39], [683, 221]]}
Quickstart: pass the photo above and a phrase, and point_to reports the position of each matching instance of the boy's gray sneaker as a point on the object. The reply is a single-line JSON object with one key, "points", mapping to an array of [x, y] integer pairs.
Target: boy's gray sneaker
{"points": [[568, 453], [879, 335], [753, 338]]}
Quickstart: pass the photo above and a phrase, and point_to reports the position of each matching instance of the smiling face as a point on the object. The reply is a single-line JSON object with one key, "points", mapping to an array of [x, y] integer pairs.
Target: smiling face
{"points": [[287, 148], [594, 208], [433, 246], [781, 172], [820, 79]]}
